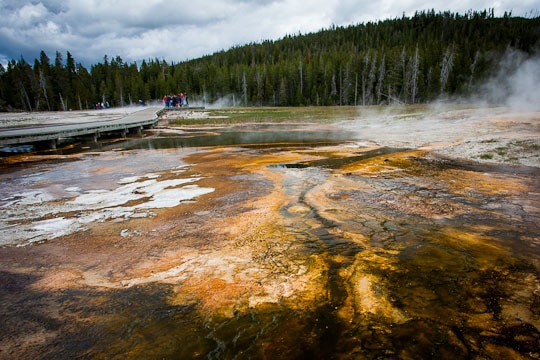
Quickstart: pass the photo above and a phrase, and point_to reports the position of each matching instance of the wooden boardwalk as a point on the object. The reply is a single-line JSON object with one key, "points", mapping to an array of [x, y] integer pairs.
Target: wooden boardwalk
{"points": [[134, 122]]}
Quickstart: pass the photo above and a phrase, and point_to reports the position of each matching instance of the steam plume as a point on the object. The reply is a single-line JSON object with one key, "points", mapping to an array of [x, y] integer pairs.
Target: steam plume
{"points": [[516, 84]]}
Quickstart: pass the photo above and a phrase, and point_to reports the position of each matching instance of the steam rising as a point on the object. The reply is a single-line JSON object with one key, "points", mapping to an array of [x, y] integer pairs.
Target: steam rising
{"points": [[516, 84]]}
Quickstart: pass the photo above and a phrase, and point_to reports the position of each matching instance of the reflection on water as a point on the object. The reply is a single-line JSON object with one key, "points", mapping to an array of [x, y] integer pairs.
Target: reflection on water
{"points": [[382, 253], [218, 137], [239, 138]]}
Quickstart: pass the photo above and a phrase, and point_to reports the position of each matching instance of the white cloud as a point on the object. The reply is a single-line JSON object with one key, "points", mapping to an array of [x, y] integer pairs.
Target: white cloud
{"points": [[176, 31], [28, 15]]}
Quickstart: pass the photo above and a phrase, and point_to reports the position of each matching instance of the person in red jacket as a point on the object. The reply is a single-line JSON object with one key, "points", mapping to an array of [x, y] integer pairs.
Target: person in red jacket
{"points": [[181, 95]]}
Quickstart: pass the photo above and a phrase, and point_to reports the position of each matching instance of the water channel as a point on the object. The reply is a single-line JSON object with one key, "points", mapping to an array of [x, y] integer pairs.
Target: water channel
{"points": [[283, 244]]}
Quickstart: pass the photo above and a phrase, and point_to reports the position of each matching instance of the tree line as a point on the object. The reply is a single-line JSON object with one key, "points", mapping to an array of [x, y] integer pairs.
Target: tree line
{"points": [[404, 60]]}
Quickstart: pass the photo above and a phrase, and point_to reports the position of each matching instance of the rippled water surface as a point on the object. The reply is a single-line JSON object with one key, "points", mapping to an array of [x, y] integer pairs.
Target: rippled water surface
{"points": [[308, 248]]}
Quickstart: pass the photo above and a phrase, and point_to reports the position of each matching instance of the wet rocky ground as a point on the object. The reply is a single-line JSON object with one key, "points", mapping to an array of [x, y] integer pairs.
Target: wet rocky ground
{"points": [[419, 245]]}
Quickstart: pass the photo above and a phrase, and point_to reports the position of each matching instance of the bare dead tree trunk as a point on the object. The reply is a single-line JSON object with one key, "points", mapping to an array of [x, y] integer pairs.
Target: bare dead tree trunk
{"points": [[366, 64], [371, 79], [244, 88], [363, 90], [356, 90], [403, 63], [473, 69], [333, 86], [43, 85], [62, 102], [347, 85], [381, 78], [415, 66], [259, 86], [446, 66], [25, 97]]}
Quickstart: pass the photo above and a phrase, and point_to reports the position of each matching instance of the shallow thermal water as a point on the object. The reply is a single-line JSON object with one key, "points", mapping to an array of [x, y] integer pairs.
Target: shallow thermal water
{"points": [[283, 249], [45, 201]]}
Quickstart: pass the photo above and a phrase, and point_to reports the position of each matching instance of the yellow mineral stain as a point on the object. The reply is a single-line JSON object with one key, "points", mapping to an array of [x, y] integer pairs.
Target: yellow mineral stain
{"points": [[383, 243]]}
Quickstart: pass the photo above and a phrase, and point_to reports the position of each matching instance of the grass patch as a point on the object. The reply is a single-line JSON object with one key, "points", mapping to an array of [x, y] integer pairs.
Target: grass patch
{"points": [[309, 114], [501, 151], [273, 115], [486, 156], [527, 145]]}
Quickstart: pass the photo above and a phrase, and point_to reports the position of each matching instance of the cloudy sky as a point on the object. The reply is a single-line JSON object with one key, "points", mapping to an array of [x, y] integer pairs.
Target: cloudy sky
{"points": [[180, 30]]}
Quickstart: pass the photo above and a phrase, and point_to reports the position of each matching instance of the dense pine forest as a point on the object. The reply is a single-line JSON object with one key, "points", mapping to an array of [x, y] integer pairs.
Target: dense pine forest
{"points": [[403, 60]]}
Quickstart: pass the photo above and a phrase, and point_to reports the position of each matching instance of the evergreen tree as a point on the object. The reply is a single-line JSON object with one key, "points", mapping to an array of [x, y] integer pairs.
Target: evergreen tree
{"points": [[402, 60]]}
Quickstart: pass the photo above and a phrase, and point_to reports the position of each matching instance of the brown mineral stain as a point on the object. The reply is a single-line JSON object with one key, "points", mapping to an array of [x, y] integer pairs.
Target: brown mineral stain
{"points": [[352, 260]]}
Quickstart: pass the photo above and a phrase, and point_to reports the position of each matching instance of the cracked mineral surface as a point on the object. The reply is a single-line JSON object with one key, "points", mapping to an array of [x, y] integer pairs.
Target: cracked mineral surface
{"points": [[396, 238]]}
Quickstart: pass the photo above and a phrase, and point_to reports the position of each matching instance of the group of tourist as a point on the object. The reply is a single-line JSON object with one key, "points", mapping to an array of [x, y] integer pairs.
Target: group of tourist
{"points": [[102, 105], [176, 100]]}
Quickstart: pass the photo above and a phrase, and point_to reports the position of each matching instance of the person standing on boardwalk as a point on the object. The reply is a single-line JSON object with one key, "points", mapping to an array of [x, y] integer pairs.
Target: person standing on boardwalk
{"points": [[181, 99]]}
